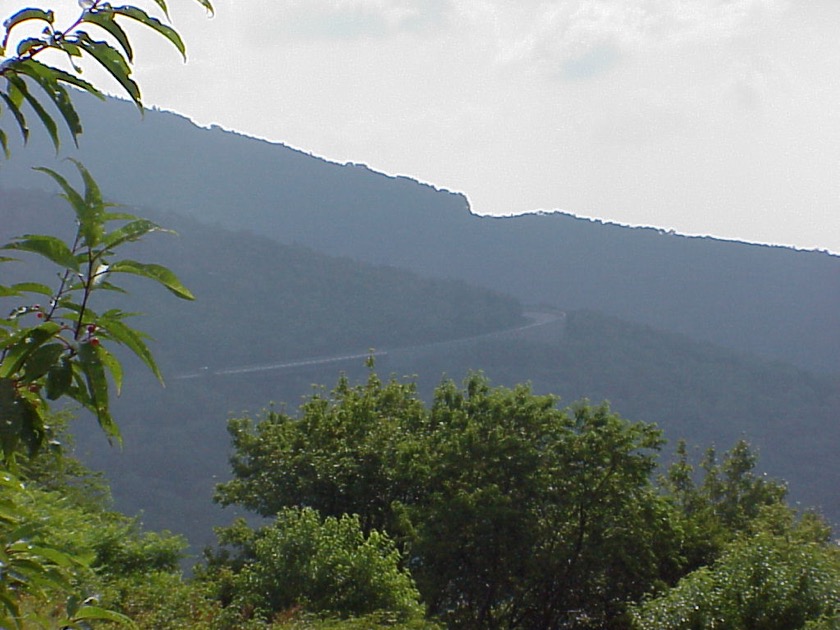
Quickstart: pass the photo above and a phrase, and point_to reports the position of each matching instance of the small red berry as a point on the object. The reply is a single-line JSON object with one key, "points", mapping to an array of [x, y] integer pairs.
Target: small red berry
{"points": [[91, 328], [34, 387], [94, 342], [39, 315]]}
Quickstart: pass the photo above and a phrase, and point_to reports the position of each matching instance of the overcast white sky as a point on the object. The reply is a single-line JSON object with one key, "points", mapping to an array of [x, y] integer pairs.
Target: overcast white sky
{"points": [[713, 117]]}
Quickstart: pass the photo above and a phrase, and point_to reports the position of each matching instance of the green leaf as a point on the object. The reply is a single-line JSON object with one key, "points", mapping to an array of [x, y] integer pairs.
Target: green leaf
{"points": [[12, 608], [32, 426], [4, 144], [112, 328], [50, 553], [90, 217], [26, 46], [18, 116], [114, 367], [97, 385], [47, 78], [144, 18], [71, 79], [11, 416], [93, 196], [41, 360], [35, 104], [104, 18], [32, 287], [104, 285], [131, 232], [154, 272], [14, 93], [114, 62], [78, 390], [119, 216], [72, 50], [207, 4], [86, 613], [39, 575], [59, 379], [163, 7], [22, 16], [49, 247], [23, 343]]}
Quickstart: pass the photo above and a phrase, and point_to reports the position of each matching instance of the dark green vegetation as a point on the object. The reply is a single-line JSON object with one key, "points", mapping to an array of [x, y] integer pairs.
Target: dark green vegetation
{"points": [[496, 497], [512, 513], [488, 508]]}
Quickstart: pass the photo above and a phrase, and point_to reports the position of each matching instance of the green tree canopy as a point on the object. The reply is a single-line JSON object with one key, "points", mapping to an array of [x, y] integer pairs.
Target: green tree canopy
{"points": [[325, 566], [510, 511], [783, 576]]}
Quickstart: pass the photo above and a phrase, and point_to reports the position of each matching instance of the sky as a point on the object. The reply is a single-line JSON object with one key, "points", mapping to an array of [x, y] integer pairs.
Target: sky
{"points": [[716, 117]]}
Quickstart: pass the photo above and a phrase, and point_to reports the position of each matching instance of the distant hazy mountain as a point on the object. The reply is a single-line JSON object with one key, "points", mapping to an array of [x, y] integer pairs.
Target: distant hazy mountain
{"points": [[773, 301]]}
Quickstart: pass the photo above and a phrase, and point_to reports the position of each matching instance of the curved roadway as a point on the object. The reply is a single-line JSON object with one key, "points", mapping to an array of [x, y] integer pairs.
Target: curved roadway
{"points": [[537, 319]]}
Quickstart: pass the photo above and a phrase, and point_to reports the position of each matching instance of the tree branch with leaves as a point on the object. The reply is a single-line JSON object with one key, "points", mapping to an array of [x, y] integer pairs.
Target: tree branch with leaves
{"points": [[23, 66], [61, 353]]}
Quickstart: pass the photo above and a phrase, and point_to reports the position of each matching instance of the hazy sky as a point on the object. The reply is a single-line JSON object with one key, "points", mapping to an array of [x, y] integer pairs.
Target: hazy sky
{"points": [[706, 116]]}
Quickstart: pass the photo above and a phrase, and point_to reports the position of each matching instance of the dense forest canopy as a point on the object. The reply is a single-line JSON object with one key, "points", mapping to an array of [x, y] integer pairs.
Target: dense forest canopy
{"points": [[489, 507]]}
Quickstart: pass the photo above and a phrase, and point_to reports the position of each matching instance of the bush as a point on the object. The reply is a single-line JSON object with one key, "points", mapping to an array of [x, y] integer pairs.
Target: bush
{"points": [[327, 567]]}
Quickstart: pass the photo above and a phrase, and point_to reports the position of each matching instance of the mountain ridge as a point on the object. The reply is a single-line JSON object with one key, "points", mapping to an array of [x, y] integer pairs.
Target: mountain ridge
{"points": [[769, 300]]}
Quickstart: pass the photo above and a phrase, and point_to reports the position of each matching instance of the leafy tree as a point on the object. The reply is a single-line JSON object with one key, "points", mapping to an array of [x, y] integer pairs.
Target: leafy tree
{"points": [[511, 512], [327, 567], [108, 564], [536, 517], [40, 576], [727, 500], [784, 576], [343, 456]]}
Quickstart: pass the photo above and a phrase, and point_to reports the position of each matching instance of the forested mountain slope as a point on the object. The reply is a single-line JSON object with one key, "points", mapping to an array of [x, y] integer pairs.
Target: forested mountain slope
{"points": [[259, 300], [773, 301]]}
